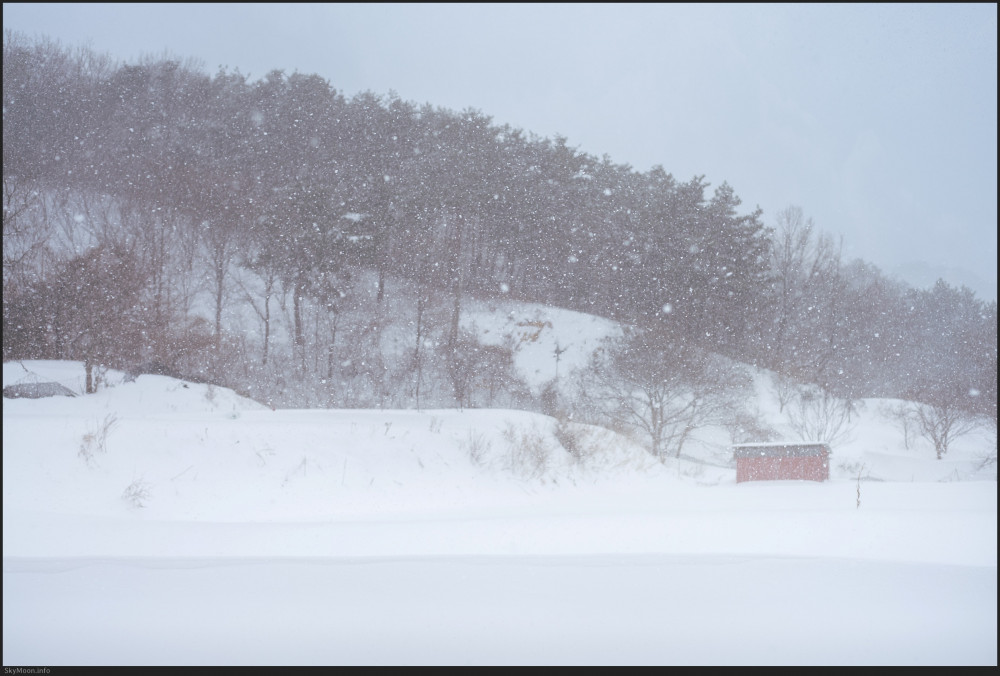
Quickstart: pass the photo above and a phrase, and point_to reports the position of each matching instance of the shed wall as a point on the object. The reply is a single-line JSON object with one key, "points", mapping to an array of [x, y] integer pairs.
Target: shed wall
{"points": [[814, 468]]}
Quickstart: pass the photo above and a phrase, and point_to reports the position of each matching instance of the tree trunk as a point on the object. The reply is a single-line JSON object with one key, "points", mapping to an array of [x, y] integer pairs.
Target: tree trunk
{"points": [[220, 273], [267, 322], [89, 388], [417, 352], [298, 340]]}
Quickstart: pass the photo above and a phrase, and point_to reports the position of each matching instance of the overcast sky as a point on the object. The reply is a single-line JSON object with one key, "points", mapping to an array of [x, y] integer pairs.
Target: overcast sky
{"points": [[880, 121]]}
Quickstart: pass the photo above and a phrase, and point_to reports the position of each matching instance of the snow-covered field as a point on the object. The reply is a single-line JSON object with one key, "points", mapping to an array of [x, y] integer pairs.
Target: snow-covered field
{"points": [[204, 528]]}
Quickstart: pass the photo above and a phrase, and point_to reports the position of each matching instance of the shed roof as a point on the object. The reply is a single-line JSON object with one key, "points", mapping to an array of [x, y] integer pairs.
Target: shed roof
{"points": [[781, 450]]}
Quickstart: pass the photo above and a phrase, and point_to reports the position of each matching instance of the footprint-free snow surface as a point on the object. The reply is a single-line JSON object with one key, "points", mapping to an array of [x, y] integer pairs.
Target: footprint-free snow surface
{"points": [[164, 522]]}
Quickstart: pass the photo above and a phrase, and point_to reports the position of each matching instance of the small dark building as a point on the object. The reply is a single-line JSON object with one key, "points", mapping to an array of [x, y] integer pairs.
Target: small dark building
{"points": [[776, 461]]}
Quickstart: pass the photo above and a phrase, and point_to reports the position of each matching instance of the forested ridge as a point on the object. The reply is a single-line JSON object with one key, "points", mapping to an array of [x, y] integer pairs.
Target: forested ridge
{"points": [[144, 203]]}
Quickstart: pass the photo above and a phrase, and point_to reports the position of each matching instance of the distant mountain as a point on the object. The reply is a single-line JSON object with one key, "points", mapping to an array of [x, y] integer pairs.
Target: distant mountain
{"points": [[923, 275]]}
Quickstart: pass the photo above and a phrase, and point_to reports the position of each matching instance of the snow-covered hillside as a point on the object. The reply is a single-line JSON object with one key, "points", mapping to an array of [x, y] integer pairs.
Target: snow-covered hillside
{"points": [[159, 521]]}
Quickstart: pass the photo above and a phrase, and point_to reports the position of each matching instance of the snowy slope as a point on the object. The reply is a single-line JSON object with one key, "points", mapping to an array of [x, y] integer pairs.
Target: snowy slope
{"points": [[537, 333], [210, 529]]}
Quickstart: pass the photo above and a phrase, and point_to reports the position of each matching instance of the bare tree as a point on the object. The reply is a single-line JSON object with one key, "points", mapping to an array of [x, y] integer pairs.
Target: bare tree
{"points": [[221, 243], [25, 230], [91, 311], [269, 277], [989, 457], [905, 416], [817, 415], [660, 388], [783, 387], [807, 300], [488, 370], [942, 422]]}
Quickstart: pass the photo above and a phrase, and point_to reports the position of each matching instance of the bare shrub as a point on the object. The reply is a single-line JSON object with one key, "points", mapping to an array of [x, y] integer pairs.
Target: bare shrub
{"points": [[549, 400], [263, 454], [573, 439], [988, 459], [436, 424], [477, 447], [985, 461], [136, 494], [95, 440], [487, 370], [302, 467], [527, 452]]}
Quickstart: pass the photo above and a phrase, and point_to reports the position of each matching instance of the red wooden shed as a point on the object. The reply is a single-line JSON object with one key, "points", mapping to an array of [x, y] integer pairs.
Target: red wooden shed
{"points": [[774, 461]]}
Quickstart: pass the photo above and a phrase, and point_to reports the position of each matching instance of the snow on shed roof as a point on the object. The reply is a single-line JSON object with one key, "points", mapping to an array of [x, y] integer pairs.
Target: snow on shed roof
{"points": [[781, 450]]}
